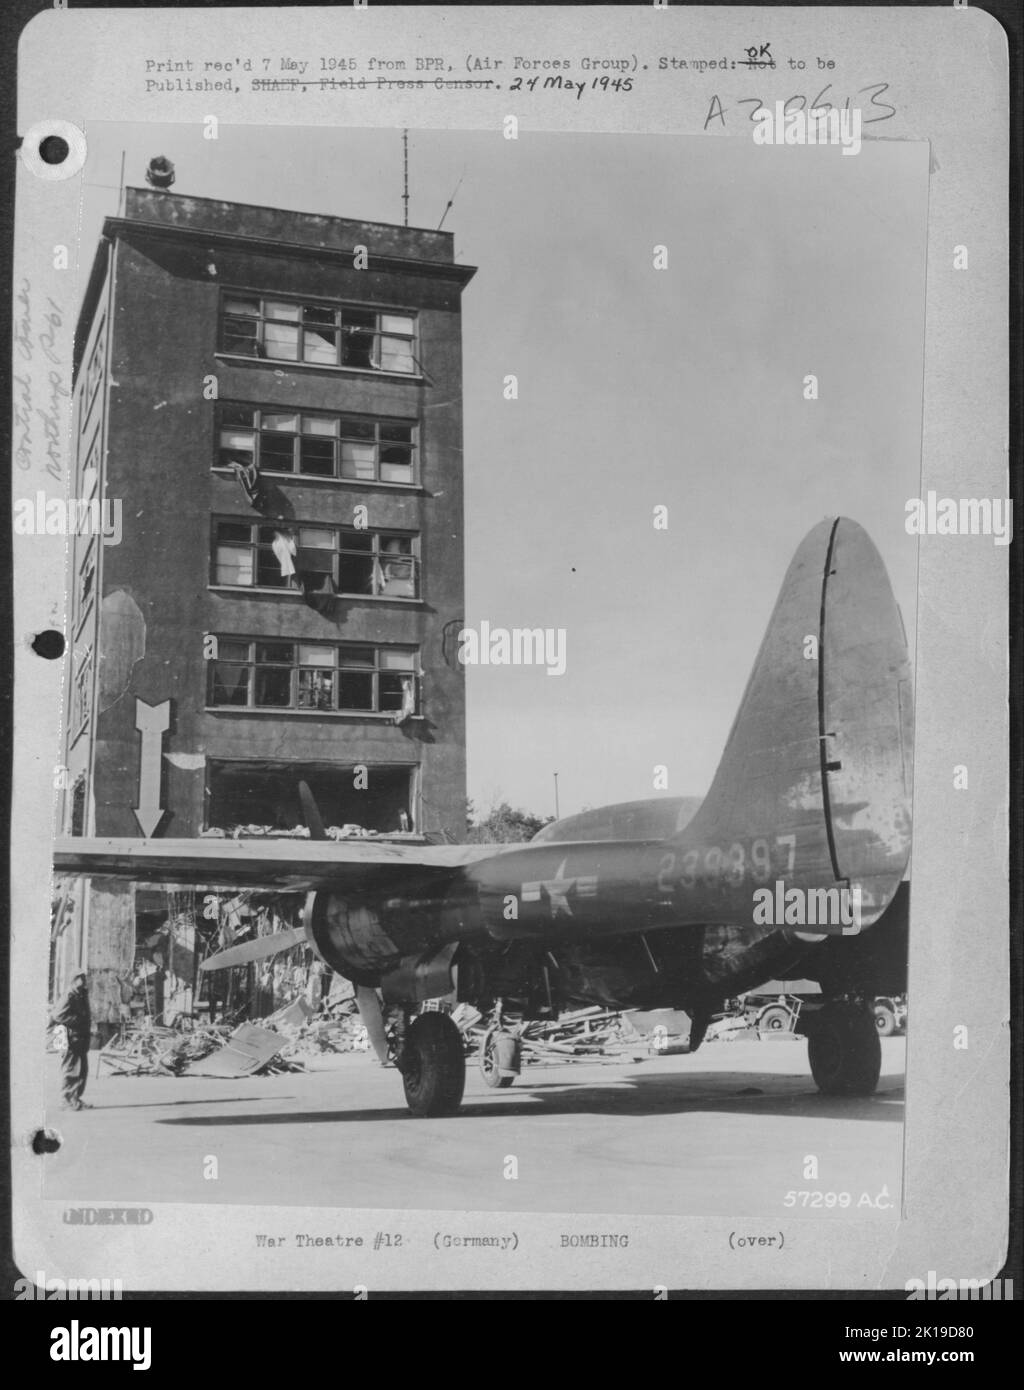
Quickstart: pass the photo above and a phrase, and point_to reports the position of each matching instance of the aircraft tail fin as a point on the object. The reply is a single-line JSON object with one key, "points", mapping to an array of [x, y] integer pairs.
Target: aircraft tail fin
{"points": [[820, 752]]}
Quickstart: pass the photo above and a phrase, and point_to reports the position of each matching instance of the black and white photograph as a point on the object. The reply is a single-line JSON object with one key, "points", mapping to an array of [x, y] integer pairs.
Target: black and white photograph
{"points": [[486, 794]]}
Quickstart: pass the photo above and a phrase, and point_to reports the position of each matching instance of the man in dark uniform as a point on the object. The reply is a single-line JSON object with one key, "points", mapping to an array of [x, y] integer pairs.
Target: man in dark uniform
{"points": [[74, 1014]]}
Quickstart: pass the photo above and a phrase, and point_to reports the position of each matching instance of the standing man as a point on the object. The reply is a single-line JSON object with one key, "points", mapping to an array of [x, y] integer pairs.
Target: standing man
{"points": [[74, 1014]]}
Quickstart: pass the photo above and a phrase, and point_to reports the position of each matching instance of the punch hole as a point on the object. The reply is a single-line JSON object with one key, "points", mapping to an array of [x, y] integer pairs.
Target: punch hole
{"points": [[48, 644], [53, 150], [45, 1141]]}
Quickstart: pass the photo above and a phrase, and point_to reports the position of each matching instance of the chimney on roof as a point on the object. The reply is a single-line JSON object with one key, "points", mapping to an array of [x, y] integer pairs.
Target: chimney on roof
{"points": [[160, 172]]}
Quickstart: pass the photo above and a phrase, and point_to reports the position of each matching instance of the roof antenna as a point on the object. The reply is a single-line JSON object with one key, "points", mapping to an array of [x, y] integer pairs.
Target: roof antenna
{"points": [[451, 200], [405, 177]]}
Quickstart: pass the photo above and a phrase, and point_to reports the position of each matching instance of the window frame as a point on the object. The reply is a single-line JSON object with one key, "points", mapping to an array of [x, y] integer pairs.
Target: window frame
{"points": [[81, 693], [337, 308], [251, 665], [377, 556], [336, 438]]}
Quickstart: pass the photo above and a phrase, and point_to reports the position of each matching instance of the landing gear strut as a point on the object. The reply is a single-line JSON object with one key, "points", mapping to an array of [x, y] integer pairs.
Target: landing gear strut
{"points": [[500, 1053], [844, 1050], [433, 1065]]}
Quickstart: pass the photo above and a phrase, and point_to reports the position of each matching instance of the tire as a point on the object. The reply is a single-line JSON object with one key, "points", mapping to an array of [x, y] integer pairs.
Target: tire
{"points": [[489, 1064], [775, 1018], [845, 1051], [885, 1021], [433, 1066]]}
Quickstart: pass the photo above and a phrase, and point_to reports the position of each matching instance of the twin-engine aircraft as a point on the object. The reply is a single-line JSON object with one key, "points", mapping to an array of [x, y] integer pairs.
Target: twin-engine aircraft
{"points": [[665, 903]]}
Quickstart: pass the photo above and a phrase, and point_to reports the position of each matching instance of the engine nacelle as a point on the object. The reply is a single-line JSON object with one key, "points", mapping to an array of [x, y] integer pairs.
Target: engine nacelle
{"points": [[368, 935], [347, 935]]}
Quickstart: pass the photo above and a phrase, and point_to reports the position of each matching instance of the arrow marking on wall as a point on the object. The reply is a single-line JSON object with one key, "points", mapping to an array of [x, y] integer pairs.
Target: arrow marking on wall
{"points": [[152, 721]]}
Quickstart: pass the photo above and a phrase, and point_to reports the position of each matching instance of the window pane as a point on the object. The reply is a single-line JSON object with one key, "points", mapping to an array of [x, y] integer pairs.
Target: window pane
{"points": [[316, 535], [398, 578], [396, 323], [396, 473], [230, 684], [357, 656], [397, 659], [237, 415], [319, 424], [238, 442], [315, 655], [318, 313], [355, 691], [316, 690], [275, 651], [317, 456], [273, 686], [234, 531], [397, 434], [356, 429], [356, 540], [358, 461], [281, 341], [268, 570], [270, 420], [232, 651], [320, 345], [240, 336], [355, 574], [359, 318], [357, 348], [395, 691], [277, 452], [232, 565], [395, 545], [396, 355], [242, 306], [281, 309]]}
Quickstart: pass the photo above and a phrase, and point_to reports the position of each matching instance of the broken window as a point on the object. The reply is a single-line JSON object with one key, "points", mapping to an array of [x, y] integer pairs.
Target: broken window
{"points": [[323, 335], [361, 564], [317, 445], [258, 792], [81, 692], [86, 583], [354, 678]]}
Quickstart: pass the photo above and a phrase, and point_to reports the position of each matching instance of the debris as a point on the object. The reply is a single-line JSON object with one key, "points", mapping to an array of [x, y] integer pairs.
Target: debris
{"points": [[581, 1035], [248, 1050]]}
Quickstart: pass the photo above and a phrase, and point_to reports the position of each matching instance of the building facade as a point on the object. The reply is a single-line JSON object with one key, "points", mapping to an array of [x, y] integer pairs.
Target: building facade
{"points": [[268, 407]]}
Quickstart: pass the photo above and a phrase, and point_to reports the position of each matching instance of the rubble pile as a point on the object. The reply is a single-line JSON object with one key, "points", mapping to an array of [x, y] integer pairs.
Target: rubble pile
{"points": [[335, 1027], [277, 1044], [582, 1035]]}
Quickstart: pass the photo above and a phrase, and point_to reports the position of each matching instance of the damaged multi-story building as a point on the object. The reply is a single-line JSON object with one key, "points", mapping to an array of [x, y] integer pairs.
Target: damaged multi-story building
{"points": [[272, 401]]}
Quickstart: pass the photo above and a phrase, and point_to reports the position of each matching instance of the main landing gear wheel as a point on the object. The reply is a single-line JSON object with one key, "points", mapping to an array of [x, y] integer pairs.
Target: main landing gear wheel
{"points": [[433, 1066], [498, 1050], [844, 1050], [885, 1020]]}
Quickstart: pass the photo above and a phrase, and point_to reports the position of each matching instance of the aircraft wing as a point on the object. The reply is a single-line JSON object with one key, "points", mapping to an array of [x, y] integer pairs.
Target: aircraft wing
{"points": [[296, 865]]}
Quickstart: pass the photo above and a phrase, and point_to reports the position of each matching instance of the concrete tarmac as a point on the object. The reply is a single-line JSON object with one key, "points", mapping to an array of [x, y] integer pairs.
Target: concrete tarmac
{"points": [[726, 1131]]}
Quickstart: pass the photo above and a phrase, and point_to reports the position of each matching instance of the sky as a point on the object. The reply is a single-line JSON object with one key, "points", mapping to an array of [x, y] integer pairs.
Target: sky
{"points": [[638, 387]]}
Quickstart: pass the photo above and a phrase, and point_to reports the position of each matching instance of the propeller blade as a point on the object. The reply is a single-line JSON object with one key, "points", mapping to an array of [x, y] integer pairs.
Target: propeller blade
{"points": [[372, 1020], [311, 813], [258, 949]]}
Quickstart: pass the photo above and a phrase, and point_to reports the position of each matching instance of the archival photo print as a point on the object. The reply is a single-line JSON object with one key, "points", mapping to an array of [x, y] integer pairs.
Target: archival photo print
{"points": [[488, 745]]}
